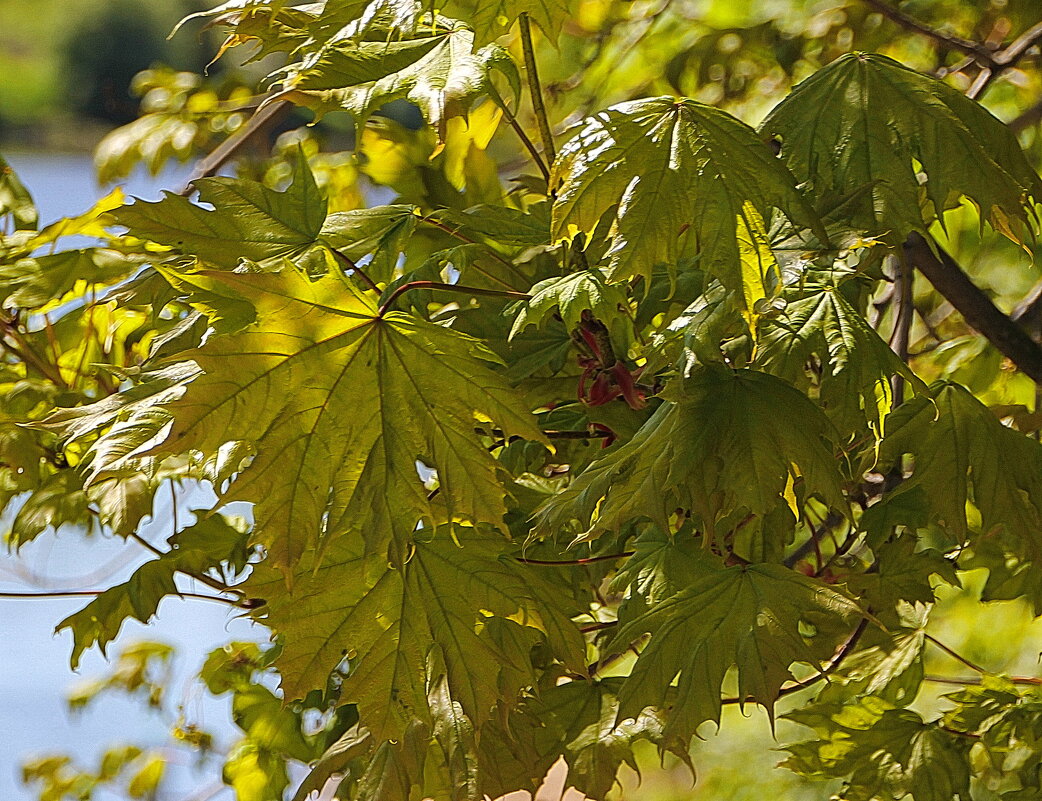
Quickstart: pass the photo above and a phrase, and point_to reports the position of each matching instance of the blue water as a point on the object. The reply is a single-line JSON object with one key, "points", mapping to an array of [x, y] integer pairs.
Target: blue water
{"points": [[34, 662]]}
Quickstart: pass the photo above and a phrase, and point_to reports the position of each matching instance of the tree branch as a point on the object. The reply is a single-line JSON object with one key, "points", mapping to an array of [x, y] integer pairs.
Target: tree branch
{"points": [[263, 117], [967, 46], [536, 89], [954, 285]]}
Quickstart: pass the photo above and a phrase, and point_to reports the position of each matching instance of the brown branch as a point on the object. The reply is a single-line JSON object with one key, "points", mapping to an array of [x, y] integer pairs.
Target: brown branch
{"points": [[904, 310], [261, 119], [967, 46], [977, 309]]}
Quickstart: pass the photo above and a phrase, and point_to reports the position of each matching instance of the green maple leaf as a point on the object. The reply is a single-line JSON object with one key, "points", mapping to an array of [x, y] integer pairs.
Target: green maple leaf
{"points": [[339, 403], [387, 621], [716, 617], [856, 363], [344, 63], [571, 295], [442, 83], [726, 440], [883, 752], [857, 129], [492, 18], [679, 178], [249, 220], [962, 454]]}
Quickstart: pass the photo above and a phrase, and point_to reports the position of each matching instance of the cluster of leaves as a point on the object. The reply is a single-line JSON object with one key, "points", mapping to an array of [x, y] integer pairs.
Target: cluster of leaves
{"points": [[461, 585]]}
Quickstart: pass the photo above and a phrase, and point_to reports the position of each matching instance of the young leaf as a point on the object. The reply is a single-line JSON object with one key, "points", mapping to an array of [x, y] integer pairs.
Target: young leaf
{"points": [[725, 440], [681, 177], [443, 83], [744, 616], [856, 363], [387, 620], [857, 129], [339, 404], [572, 295]]}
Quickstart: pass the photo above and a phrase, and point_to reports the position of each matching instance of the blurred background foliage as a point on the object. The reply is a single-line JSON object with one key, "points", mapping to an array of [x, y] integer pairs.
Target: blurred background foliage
{"points": [[102, 76]]}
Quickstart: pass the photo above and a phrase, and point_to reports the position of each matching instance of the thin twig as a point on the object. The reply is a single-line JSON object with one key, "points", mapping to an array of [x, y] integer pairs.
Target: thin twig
{"points": [[537, 157], [536, 89], [976, 682], [598, 626], [95, 593], [146, 544], [438, 285]]}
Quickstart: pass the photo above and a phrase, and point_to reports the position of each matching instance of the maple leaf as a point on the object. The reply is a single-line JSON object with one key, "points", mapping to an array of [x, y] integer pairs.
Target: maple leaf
{"points": [[857, 128], [886, 752], [339, 403], [715, 617], [442, 83], [492, 18], [249, 220], [962, 454], [571, 295], [577, 720], [856, 362], [386, 621], [725, 440], [678, 177]]}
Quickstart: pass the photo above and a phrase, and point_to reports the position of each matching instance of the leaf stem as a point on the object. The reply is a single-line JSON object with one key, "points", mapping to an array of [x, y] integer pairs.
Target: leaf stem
{"points": [[904, 308], [349, 264], [587, 561], [438, 285], [837, 660], [536, 89]]}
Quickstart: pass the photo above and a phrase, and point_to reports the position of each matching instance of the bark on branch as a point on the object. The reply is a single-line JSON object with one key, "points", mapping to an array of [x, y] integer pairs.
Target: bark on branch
{"points": [[954, 285]]}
